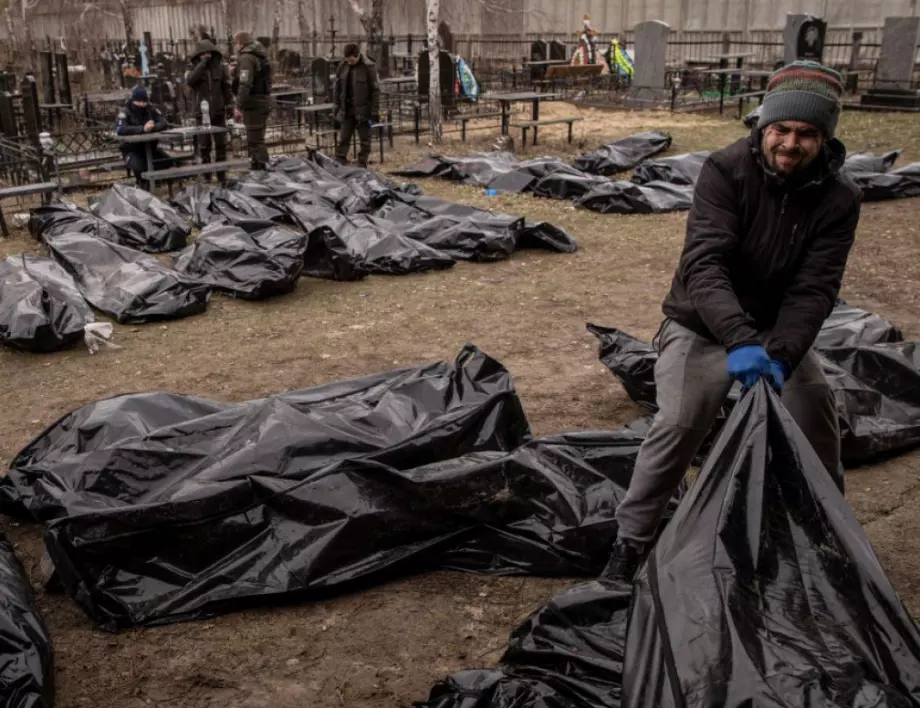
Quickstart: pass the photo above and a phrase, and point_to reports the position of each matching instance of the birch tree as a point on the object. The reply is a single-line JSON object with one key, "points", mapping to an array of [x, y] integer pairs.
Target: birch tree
{"points": [[228, 25], [276, 28], [434, 83], [128, 22]]}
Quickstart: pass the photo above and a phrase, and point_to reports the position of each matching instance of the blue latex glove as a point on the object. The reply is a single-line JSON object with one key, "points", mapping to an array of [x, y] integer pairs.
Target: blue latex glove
{"points": [[777, 375], [747, 364]]}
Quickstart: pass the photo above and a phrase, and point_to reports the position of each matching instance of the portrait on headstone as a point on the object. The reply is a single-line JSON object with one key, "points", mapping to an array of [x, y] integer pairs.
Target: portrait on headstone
{"points": [[811, 40]]}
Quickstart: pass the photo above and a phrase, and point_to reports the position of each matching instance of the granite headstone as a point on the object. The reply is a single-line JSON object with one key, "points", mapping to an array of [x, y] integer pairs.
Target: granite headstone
{"points": [[651, 51], [896, 59]]}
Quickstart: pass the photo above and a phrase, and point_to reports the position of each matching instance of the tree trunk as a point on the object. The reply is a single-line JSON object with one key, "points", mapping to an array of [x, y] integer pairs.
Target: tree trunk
{"points": [[26, 36], [129, 23], [228, 26], [276, 28], [375, 29], [434, 85], [302, 24], [11, 30]]}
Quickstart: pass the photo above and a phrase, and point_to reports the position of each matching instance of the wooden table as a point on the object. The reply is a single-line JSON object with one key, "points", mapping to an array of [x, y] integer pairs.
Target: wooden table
{"points": [[506, 99]]}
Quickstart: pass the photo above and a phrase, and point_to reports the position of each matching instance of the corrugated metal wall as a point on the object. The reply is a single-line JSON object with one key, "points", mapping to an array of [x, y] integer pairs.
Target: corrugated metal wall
{"points": [[72, 19]]}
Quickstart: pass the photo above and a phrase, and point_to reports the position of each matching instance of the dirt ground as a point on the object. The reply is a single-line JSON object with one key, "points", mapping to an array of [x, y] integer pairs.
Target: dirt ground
{"points": [[388, 645]]}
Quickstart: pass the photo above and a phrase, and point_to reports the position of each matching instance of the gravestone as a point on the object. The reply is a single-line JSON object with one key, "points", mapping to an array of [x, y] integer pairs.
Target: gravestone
{"points": [[539, 51], [894, 72], [383, 66], [322, 86], [31, 115], [803, 37], [446, 37], [7, 115], [447, 77], [651, 50], [63, 77], [47, 59], [895, 67], [557, 51]]}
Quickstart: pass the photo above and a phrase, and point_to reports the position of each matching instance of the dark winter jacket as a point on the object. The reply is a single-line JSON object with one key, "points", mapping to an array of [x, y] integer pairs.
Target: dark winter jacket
{"points": [[763, 259], [364, 90], [253, 72], [209, 79], [131, 121]]}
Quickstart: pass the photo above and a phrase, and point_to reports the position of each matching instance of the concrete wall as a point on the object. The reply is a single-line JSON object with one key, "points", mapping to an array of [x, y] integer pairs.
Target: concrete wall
{"points": [[82, 19]]}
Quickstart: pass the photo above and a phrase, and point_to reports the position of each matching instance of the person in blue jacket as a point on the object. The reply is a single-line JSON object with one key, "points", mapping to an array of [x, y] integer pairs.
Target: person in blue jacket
{"points": [[137, 117]]}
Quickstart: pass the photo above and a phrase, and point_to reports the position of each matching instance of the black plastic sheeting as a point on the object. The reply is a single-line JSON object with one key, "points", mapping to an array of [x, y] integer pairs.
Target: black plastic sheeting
{"points": [[623, 154], [131, 286], [901, 183], [251, 266], [870, 162], [630, 198], [379, 246], [141, 220], [567, 654], [26, 655], [41, 309], [680, 169], [764, 590], [65, 218], [204, 205], [160, 507], [875, 378]]}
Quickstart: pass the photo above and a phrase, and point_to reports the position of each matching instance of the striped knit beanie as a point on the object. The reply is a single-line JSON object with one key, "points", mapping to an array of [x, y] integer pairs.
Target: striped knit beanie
{"points": [[804, 91]]}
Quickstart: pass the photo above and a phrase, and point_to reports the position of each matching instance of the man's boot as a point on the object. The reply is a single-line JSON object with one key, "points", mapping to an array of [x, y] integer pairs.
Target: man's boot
{"points": [[625, 559]]}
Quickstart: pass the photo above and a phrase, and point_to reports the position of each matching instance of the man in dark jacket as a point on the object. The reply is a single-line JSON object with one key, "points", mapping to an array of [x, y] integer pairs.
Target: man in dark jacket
{"points": [[768, 237], [209, 79], [356, 95], [137, 117], [253, 101]]}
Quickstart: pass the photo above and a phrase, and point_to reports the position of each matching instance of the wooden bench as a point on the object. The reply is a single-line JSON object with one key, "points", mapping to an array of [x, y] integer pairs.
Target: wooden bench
{"points": [[26, 190], [526, 125], [569, 73], [191, 171], [464, 119]]}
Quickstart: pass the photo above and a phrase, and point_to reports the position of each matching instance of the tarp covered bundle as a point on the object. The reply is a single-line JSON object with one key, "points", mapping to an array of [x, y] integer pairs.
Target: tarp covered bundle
{"points": [[26, 654], [160, 507], [130, 286], [624, 154], [247, 265], [901, 183], [141, 220], [680, 169], [762, 590], [65, 218], [41, 308], [666, 186], [875, 378]]}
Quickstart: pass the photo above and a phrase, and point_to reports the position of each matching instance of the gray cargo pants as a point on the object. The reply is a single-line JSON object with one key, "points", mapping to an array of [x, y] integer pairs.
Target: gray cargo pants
{"points": [[692, 383]]}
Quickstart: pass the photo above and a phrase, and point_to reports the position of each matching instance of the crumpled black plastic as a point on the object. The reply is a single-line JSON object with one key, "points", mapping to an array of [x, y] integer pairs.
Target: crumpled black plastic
{"points": [[251, 266], [26, 654], [870, 162], [901, 183], [131, 286], [875, 378], [568, 183], [623, 154], [628, 198], [479, 168], [41, 309], [64, 217], [679, 169], [205, 205], [160, 507], [763, 588], [567, 654], [380, 247], [142, 221]]}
